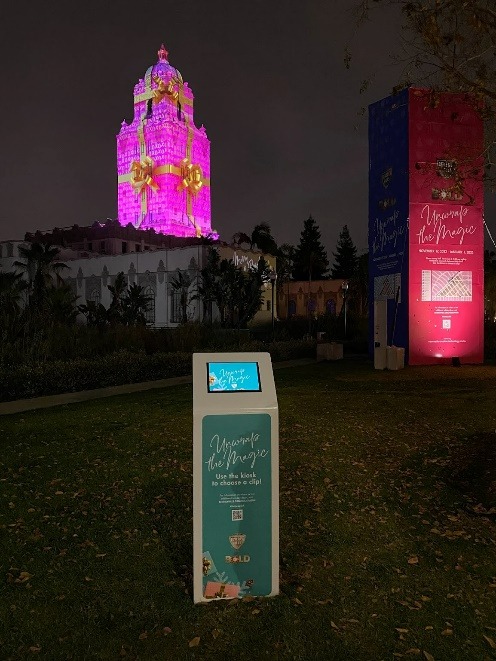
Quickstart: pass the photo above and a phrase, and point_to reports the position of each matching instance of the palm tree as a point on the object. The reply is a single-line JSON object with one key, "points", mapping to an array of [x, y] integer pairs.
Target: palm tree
{"points": [[61, 305], [135, 305], [41, 267], [12, 286], [118, 290], [239, 238], [263, 239], [12, 321], [181, 283], [285, 267], [96, 314]]}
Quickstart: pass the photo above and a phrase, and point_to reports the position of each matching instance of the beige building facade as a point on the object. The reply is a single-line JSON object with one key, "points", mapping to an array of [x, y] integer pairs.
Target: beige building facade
{"points": [[302, 298]]}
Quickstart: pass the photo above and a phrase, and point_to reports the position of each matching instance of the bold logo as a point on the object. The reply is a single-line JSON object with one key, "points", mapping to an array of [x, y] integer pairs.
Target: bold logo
{"points": [[235, 559], [388, 202], [448, 194], [237, 541], [446, 168], [386, 177]]}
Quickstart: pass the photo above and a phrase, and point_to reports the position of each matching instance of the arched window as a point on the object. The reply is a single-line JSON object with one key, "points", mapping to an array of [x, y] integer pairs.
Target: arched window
{"points": [[312, 305], [331, 306], [291, 307], [150, 312], [176, 312], [95, 296]]}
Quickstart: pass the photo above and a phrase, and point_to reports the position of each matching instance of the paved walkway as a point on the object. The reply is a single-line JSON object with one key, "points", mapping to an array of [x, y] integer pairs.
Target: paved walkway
{"points": [[21, 405]]}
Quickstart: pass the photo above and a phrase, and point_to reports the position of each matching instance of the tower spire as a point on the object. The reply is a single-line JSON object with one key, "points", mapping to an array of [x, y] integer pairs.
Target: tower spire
{"points": [[162, 54]]}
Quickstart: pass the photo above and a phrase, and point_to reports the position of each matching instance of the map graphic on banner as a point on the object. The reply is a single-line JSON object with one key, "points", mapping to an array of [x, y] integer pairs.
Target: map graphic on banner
{"points": [[446, 285]]}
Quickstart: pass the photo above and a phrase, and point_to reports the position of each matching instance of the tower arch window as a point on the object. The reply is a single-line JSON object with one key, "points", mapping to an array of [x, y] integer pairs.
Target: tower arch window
{"points": [[291, 307]]}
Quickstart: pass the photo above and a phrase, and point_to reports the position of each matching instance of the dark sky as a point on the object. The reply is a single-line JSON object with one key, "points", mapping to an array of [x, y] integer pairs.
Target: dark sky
{"points": [[270, 86]]}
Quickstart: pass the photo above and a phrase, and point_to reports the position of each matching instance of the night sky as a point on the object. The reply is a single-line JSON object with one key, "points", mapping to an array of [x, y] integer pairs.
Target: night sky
{"points": [[270, 85]]}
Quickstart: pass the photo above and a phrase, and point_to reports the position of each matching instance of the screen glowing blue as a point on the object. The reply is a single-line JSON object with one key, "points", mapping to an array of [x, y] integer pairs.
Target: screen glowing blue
{"points": [[233, 377]]}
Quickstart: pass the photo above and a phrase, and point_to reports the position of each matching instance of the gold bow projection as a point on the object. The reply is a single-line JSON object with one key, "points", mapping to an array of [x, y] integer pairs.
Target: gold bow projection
{"points": [[162, 90], [191, 176], [141, 175]]}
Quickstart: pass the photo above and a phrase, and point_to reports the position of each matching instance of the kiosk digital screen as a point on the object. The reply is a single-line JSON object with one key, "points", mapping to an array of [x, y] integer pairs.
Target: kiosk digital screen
{"points": [[233, 377]]}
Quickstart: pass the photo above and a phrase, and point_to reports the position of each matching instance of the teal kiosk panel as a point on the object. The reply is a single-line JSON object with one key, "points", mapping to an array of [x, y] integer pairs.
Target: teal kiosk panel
{"points": [[235, 477]]}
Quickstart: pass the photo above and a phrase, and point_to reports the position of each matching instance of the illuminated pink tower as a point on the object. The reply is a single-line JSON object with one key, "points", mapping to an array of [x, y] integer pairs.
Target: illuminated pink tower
{"points": [[163, 160]]}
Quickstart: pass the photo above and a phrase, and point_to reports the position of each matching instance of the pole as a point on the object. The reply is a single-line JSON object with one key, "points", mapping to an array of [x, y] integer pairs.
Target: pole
{"points": [[345, 316], [272, 308]]}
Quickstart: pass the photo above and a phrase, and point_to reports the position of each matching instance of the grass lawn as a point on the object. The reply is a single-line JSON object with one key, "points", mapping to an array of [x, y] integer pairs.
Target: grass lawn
{"points": [[388, 528]]}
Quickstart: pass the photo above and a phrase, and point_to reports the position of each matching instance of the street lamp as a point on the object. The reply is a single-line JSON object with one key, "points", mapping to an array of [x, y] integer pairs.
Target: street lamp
{"points": [[344, 289], [273, 279]]}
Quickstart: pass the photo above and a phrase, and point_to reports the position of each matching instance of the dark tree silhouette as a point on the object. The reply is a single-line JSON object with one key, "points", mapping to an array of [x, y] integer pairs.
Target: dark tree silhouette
{"points": [[345, 258], [310, 259]]}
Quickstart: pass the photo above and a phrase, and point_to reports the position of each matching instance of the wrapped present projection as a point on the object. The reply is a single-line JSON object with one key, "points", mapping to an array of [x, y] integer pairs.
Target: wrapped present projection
{"points": [[163, 159], [426, 244]]}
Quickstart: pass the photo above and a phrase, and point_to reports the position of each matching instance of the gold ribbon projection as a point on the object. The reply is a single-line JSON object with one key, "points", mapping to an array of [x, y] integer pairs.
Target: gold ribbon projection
{"points": [[163, 90], [142, 172]]}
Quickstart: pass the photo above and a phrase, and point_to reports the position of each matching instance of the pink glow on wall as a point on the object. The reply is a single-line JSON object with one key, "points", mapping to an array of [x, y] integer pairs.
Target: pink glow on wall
{"points": [[163, 159], [446, 242]]}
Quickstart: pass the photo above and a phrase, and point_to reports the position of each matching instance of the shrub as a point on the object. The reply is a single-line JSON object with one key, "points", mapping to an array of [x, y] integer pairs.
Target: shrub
{"points": [[51, 378], [85, 374]]}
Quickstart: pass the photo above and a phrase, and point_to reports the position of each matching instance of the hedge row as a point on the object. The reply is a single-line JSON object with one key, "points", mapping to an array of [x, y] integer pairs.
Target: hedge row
{"points": [[119, 368]]}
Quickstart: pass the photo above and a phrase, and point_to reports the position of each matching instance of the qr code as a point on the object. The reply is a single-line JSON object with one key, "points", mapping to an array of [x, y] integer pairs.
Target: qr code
{"points": [[237, 515]]}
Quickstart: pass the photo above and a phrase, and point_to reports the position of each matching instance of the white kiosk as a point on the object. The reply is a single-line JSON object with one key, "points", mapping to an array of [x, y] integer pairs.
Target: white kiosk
{"points": [[235, 476]]}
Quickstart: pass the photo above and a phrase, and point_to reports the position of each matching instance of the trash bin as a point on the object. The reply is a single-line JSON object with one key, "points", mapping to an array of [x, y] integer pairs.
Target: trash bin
{"points": [[380, 358], [395, 358]]}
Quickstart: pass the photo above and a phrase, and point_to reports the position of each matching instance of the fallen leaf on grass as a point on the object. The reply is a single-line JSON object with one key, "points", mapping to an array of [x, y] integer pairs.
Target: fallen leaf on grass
{"points": [[334, 626], [166, 630], [447, 632], [413, 560], [23, 577], [35, 649], [401, 630], [143, 635], [215, 633], [194, 642], [490, 642], [413, 650], [428, 656]]}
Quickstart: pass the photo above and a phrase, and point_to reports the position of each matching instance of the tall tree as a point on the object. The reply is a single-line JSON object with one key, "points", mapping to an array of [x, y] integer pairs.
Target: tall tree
{"points": [[263, 239], [345, 258], [358, 291], [310, 259], [284, 268], [450, 45]]}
